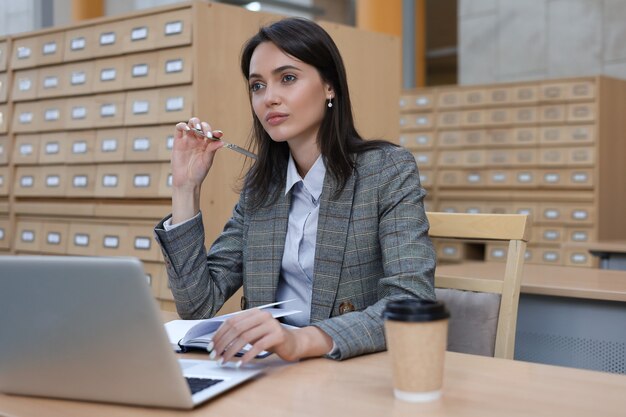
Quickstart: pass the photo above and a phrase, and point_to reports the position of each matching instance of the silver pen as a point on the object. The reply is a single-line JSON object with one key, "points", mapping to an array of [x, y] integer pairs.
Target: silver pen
{"points": [[226, 144]]}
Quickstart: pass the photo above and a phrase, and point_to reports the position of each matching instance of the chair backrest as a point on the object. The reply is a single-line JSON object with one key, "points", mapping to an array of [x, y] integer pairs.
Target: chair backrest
{"points": [[479, 302]]}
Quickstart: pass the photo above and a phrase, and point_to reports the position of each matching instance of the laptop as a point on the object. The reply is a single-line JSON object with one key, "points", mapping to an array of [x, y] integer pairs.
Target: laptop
{"points": [[88, 328]]}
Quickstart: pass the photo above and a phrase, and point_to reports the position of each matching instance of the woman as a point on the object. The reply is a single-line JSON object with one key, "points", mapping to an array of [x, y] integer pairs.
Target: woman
{"points": [[326, 219]]}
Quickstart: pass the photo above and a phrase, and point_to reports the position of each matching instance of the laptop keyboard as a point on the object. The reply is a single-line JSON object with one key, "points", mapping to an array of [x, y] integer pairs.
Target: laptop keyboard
{"points": [[198, 384]]}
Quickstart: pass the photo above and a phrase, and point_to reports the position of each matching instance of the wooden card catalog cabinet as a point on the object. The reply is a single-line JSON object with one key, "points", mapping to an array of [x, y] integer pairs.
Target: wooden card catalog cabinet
{"points": [[528, 143]]}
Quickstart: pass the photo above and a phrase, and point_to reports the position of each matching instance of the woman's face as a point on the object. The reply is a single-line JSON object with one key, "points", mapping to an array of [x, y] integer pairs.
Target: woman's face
{"points": [[288, 96]]}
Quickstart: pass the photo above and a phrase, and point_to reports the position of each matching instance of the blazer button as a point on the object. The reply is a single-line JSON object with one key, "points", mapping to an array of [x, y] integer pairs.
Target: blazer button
{"points": [[346, 307], [243, 303]]}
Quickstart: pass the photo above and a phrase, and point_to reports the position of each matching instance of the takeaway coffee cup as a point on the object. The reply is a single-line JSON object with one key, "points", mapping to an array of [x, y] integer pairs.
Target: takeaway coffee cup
{"points": [[416, 333]]}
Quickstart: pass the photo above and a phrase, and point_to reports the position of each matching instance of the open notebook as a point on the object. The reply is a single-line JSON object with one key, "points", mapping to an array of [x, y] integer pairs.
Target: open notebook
{"points": [[87, 328]]}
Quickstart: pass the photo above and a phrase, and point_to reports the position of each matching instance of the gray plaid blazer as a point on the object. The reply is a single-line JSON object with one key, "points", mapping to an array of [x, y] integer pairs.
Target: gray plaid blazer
{"points": [[372, 247]]}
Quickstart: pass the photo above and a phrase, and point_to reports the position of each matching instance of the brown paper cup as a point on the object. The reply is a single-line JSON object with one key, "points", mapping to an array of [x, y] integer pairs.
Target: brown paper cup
{"points": [[417, 350]]}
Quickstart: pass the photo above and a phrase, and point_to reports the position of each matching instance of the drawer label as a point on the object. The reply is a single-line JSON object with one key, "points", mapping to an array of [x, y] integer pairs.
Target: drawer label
{"points": [[551, 178], [141, 181], [79, 147], [473, 178], [449, 250], [79, 113], [79, 181], [107, 38], [421, 121], [23, 52], [51, 81], [26, 149], [53, 181], [580, 177], [141, 107], [109, 180], [26, 117], [551, 256], [173, 65], [141, 144], [139, 33], [422, 159], [551, 235], [108, 74], [112, 242], [551, 214], [108, 110], [140, 70], [78, 78], [53, 238], [498, 177], [109, 145], [142, 243], [49, 48], [51, 115], [27, 181], [81, 239], [28, 236], [173, 28], [175, 104], [24, 84], [78, 44]]}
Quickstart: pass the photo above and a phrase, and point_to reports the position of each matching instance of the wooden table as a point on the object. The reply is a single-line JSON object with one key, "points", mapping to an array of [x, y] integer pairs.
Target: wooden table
{"points": [[560, 281], [567, 315], [473, 386], [612, 253]]}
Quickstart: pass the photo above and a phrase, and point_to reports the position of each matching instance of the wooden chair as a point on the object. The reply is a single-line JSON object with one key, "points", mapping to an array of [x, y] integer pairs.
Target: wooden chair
{"points": [[467, 296]]}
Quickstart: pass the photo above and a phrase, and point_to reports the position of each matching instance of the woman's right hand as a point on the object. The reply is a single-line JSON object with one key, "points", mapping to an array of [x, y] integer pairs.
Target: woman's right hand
{"points": [[192, 157]]}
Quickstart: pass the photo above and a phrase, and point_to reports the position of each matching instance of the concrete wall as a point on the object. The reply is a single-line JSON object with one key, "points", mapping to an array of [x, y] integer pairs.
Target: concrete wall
{"points": [[513, 40], [19, 16]]}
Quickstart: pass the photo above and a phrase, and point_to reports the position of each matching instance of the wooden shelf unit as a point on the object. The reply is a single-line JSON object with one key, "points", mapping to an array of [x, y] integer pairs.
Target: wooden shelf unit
{"points": [[553, 149], [88, 114]]}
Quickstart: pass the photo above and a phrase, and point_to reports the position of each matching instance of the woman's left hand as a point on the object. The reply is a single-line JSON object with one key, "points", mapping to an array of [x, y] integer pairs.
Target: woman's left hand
{"points": [[259, 329]]}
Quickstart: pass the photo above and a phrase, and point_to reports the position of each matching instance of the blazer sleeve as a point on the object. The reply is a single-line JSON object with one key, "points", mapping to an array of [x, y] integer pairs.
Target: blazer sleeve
{"points": [[201, 282], [408, 258]]}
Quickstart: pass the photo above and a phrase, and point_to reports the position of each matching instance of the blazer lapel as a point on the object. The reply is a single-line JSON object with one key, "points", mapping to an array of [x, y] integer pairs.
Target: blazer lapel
{"points": [[332, 231], [265, 245]]}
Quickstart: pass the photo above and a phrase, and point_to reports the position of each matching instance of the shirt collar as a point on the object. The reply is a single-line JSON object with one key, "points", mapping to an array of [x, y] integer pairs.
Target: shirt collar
{"points": [[313, 180]]}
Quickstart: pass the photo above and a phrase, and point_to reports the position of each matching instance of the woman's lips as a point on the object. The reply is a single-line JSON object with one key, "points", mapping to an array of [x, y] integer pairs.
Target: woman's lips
{"points": [[274, 119]]}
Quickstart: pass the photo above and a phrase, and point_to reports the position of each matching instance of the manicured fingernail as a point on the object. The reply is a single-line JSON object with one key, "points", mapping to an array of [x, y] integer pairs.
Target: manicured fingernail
{"points": [[209, 347], [187, 127], [209, 134], [220, 361], [219, 131], [212, 355], [238, 364]]}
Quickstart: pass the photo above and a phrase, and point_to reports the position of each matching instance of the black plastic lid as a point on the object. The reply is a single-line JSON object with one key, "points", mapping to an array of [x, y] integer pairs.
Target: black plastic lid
{"points": [[415, 310]]}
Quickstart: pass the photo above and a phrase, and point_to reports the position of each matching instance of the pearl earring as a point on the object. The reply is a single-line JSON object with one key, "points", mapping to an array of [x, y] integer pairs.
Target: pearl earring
{"points": [[330, 102]]}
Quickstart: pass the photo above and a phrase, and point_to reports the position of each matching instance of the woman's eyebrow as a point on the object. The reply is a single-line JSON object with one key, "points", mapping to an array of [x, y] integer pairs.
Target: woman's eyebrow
{"points": [[276, 71]]}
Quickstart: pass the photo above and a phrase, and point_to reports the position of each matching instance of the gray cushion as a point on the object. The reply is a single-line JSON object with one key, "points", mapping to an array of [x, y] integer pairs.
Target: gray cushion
{"points": [[473, 320]]}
